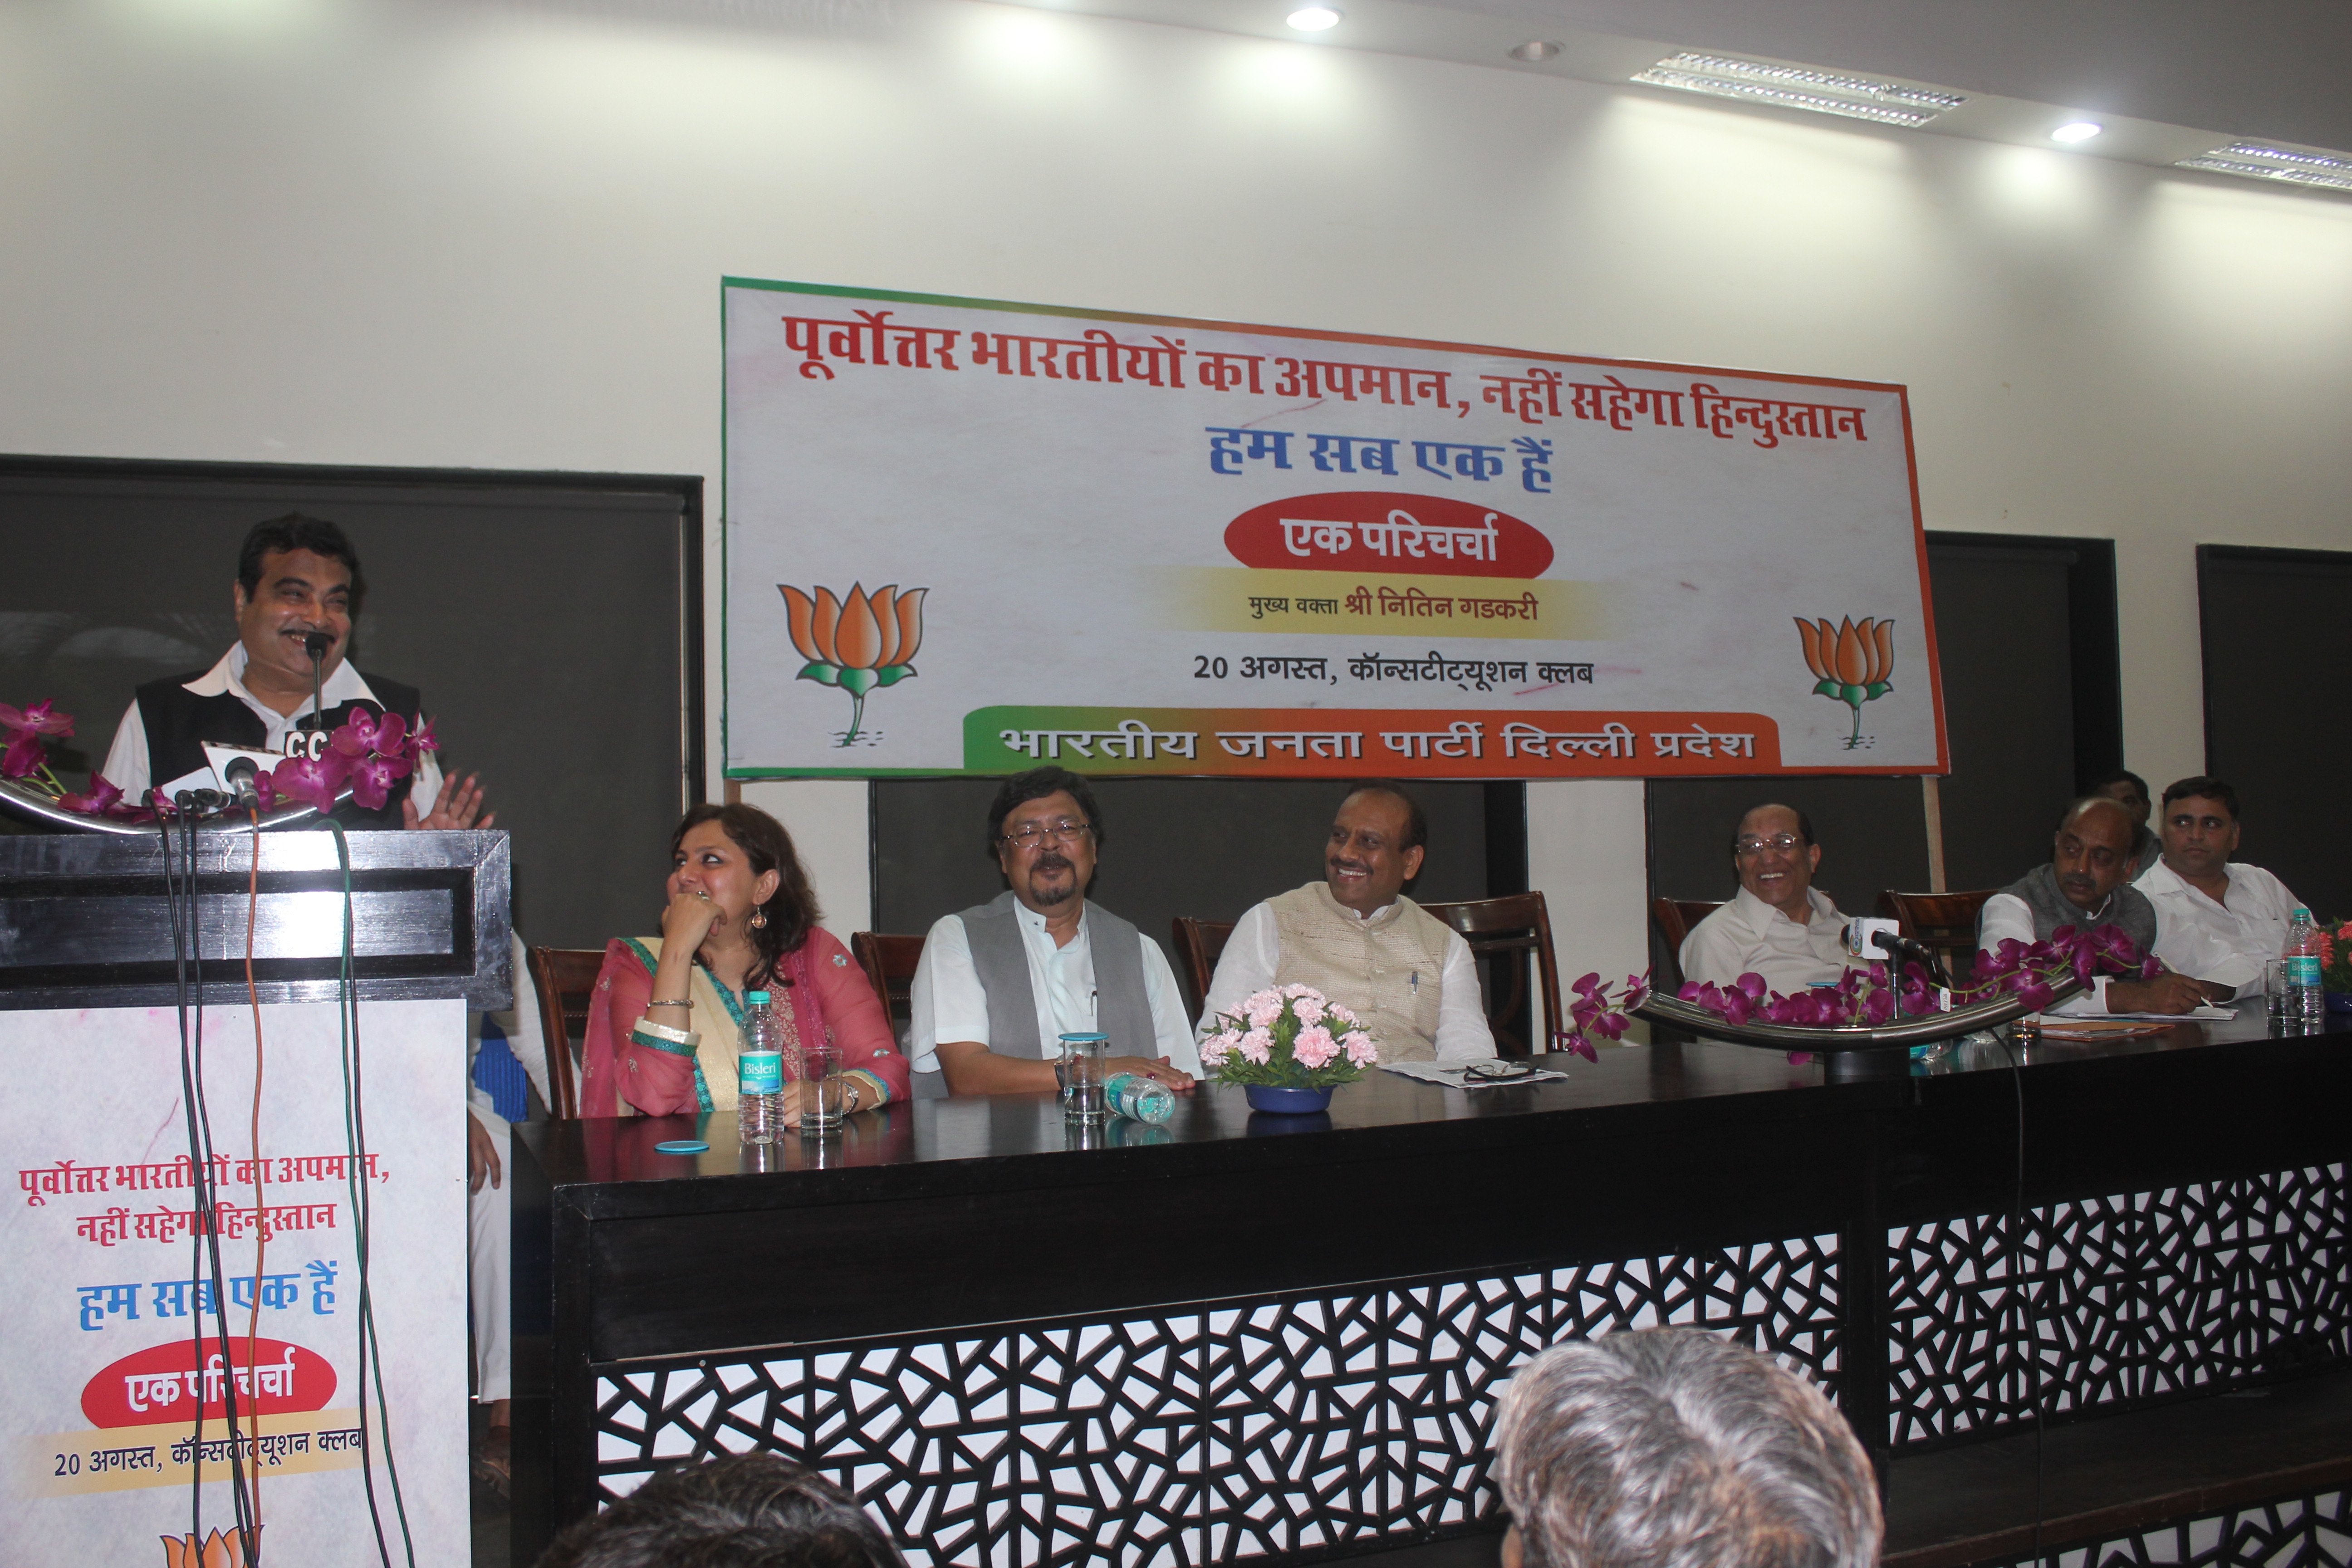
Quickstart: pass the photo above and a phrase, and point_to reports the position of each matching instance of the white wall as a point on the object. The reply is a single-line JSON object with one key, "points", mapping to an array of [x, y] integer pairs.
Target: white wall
{"points": [[427, 232]]}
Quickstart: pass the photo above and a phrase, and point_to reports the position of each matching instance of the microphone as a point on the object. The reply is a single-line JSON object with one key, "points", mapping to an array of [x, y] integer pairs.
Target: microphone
{"points": [[316, 644], [1884, 939], [240, 775]]}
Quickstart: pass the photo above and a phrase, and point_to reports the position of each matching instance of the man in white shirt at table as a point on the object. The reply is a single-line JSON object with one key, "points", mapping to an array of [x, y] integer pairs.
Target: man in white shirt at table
{"points": [[2216, 918], [1779, 926], [1355, 937], [998, 984]]}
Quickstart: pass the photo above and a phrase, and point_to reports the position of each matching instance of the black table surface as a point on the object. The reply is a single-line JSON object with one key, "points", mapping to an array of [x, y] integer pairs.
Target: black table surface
{"points": [[610, 1169]]}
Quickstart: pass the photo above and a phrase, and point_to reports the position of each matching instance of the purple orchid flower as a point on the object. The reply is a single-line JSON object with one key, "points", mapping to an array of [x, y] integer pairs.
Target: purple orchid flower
{"points": [[312, 781], [26, 755], [371, 779], [357, 737], [423, 739], [41, 719], [100, 801]]}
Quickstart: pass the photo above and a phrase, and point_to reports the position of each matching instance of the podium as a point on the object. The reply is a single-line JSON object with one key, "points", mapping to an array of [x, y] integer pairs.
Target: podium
{"points": [[240, 1185]]}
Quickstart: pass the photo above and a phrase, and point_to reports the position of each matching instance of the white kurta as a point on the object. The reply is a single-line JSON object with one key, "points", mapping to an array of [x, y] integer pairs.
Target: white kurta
{"points": [[1749, 936], [2225, 943]]}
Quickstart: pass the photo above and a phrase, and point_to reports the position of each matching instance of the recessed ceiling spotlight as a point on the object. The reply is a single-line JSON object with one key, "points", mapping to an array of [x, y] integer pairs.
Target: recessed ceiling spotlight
{"points": [[1797, 86], [2080, 131], [1313, 19], [2261, 160], [1534, 50]]}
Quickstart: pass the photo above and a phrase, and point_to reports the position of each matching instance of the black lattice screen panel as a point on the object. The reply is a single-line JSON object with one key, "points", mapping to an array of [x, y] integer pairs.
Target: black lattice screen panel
{"points": [[1201, 1433], [2114, 1301], [2307, 1532]]}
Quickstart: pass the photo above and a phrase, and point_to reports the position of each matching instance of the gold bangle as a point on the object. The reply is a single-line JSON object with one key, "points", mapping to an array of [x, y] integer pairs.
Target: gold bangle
{"points": [[681, 1002]]}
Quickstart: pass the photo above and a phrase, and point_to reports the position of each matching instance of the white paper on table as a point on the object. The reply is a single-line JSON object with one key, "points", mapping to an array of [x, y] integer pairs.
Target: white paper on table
{"points": [[2136, 1017], [1449, 1075]]}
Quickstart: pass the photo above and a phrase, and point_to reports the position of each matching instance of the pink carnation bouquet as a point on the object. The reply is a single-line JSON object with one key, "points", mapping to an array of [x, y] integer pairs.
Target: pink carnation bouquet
{"points": [[1289, 1036]]}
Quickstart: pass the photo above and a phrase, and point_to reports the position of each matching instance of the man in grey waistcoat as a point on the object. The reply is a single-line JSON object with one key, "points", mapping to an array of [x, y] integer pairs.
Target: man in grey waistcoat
{"points": [[2082, 885], [999, 984]]}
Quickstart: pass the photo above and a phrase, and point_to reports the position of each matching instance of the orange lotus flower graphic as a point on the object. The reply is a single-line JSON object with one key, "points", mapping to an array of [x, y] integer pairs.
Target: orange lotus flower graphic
{"points": [[1853, 661], [219, 1550], [857, 643]]}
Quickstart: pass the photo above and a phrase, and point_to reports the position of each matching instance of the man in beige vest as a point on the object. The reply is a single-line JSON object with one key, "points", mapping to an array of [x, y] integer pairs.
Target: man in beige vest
{"points": [[1356, 938]]}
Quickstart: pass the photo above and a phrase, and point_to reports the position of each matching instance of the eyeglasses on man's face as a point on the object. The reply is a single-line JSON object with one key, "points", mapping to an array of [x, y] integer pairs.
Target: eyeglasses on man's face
{"points": [[1033, 834], [1751, 846]]}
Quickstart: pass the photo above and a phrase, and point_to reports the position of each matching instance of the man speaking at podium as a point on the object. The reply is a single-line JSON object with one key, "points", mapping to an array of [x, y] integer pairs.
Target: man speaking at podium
{"points": [[295, 578]]}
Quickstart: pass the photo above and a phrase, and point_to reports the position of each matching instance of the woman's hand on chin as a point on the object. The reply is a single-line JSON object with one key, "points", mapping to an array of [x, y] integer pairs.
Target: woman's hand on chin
{"points": [[690, 921]]}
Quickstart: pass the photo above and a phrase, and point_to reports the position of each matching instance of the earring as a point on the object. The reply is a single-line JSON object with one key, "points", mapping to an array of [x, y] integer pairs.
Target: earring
{"points": [[759, 920]]}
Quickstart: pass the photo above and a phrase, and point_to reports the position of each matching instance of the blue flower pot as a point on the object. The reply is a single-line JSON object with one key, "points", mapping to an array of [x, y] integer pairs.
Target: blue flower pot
{"points": [[1287, 1101]]}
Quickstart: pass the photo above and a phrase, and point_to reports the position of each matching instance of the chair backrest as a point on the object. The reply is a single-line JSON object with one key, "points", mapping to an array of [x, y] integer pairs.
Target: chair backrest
{"points": [[1199, 945], [1675, 917], [1946, 922], [565, 979], [1502, 933], [889, 962]]}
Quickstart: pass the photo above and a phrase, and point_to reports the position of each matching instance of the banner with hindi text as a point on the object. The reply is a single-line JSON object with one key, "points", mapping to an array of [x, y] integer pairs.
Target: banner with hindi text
{"points": [[970, 536]]}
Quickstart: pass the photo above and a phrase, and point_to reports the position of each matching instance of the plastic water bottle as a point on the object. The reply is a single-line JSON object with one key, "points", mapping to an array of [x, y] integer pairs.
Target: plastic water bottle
{"points": [[1132, 1095], [2304, 998], [760, 1068]]}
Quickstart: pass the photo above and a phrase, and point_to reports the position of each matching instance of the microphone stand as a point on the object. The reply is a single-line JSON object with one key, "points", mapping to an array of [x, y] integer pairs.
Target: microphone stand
{"points": [[316, 644]]}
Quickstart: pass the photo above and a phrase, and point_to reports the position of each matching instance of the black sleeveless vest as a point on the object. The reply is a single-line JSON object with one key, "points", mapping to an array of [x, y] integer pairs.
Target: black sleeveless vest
{"points": [[178, 723]]}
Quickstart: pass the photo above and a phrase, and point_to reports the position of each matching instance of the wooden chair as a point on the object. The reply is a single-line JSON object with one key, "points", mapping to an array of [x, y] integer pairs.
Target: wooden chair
{"points": [[890, 962], [1675, 917], [1502, 933], [1199, 943], [1945, 921], [565, 979]]}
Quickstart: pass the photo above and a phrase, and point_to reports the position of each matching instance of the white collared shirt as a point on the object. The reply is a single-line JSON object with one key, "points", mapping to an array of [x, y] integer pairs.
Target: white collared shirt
{"points": [[2225, 943], [1749, 936], [947, 1000], [128, 767], [1254, 951]]}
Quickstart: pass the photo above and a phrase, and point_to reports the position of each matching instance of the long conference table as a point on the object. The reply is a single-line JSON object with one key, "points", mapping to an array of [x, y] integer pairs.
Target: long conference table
{"points": [[1242, 1336]]}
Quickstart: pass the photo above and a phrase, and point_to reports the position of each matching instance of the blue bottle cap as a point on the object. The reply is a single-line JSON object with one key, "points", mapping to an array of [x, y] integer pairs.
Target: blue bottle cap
{"points": [[754, 998], [682, 1146], [1083, 1038]]}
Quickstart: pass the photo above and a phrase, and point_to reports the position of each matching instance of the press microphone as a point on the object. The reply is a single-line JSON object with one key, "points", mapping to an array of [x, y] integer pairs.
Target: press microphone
{"points": [[1883, 939], [316, 644], [239, 775]]}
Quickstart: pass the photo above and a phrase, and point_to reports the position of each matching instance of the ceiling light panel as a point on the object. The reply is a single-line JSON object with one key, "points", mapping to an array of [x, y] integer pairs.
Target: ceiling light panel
{"points": [[2292, 165], [1795, 87]]}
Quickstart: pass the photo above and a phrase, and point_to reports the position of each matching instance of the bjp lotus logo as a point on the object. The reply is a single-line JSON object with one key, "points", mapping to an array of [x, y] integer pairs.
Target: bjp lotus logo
{"points": [[858, 643], [1852, 662], [218, 1550]]}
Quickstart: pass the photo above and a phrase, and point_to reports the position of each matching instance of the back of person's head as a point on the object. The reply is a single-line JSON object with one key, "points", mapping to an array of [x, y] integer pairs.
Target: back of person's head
{"points": [[748, 1510], [1669, 1448]]}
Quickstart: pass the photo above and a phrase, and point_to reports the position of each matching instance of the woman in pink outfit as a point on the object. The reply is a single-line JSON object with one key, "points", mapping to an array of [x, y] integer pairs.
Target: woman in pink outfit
{"points": [[663, 1025]]}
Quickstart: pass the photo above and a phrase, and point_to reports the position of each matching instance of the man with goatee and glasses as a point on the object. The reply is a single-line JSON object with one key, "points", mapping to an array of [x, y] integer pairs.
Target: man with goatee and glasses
{"points": [[1001, 984]]}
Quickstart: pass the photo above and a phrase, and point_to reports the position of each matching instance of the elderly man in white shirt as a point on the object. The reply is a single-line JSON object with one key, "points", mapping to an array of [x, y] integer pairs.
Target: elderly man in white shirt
{"points": [[1777, 926], [1355, 937], [998, 984], [2217, 918]]}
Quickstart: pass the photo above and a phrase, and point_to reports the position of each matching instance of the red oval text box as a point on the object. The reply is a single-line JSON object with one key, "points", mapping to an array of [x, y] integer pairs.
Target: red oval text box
{"points": [[167, 1381], [1385, 530]]}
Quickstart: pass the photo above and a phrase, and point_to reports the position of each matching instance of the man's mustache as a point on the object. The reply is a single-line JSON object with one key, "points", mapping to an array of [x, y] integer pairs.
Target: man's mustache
{"points": [[1051, 861], [1358, 867]]}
